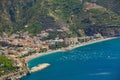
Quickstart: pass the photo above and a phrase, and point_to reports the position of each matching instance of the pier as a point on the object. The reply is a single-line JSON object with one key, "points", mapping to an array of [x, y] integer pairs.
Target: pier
{"points": [[39, 67]]}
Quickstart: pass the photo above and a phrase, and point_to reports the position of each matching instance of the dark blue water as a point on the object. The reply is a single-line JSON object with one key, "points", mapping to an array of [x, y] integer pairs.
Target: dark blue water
{"points": [[99, 61]]}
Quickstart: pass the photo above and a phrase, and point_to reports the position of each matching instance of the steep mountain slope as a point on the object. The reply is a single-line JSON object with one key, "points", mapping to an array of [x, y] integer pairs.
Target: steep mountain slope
{"points": [[37, 15], [113, 5]]}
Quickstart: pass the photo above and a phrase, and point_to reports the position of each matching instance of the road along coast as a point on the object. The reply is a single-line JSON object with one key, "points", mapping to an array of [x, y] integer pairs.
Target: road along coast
{"points": [[28, 58]]}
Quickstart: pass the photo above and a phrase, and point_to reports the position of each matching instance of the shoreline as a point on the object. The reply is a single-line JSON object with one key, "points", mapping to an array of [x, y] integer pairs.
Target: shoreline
{"points": [[71, 47]]}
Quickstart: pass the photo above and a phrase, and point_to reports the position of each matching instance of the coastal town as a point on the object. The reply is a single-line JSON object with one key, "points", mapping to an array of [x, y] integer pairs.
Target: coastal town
{"points": [[20, 48], [32, 29]]}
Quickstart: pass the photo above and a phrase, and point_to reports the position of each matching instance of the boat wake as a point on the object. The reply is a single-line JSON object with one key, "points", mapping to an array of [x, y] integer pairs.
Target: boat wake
{"points": [[100, 74]]}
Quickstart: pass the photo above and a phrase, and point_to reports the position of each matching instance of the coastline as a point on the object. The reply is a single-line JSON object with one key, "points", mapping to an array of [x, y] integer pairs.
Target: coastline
{"points": [[71, 47]]}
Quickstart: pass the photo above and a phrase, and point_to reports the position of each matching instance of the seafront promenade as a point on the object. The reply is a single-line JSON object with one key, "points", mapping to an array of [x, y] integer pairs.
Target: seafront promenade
{"points": [[30, 57]]}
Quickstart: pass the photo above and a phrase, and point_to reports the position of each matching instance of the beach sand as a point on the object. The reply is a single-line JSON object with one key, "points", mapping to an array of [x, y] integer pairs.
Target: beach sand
{"points": [[67, 48]]}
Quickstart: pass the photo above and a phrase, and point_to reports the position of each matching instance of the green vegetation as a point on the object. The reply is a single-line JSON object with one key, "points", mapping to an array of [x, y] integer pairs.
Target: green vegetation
{"points": [[34, 28], [42, 50], [27, 54], [58, 45], [43, 14], [6, 65]]}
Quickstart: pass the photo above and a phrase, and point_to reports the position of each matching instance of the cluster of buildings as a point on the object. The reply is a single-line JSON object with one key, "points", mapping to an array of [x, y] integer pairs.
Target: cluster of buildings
{"points": [[22, 44], [17, 46]]}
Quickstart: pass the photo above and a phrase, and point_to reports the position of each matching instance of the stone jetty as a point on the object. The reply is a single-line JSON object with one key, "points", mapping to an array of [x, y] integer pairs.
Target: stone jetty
{"points": [[39, 67]]}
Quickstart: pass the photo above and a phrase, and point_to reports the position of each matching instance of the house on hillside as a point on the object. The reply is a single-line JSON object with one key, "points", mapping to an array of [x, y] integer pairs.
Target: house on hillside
{"points": [[98, 35]]}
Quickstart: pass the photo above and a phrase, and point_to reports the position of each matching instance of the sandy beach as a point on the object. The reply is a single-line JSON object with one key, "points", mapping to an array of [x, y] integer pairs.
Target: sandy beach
{"points": [[67, 48]]}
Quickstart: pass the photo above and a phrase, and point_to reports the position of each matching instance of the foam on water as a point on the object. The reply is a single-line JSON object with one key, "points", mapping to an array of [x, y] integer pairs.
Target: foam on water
{"points": [[100, 74]]}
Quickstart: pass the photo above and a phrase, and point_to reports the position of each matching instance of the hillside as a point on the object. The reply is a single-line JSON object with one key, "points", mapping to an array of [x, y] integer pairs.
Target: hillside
{"points": [[110, 4], [71, 16]]}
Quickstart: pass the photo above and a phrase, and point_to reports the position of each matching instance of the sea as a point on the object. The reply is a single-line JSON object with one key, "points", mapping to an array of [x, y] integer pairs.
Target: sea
{"points": [[98, 61]]}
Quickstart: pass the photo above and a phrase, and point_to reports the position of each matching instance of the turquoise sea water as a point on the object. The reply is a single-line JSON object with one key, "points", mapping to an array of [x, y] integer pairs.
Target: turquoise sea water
{"points": [[99, 61]]}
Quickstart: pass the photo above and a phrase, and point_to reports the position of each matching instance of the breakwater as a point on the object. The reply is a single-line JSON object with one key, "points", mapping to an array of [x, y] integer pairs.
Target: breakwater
{"points": [[19, 74], [39, 67]]}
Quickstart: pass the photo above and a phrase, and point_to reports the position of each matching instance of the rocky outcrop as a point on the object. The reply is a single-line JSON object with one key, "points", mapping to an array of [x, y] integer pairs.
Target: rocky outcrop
{"points": [[104, 30]]}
